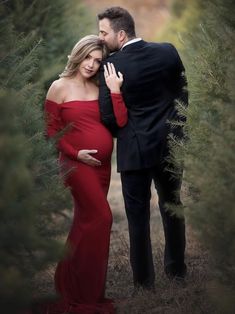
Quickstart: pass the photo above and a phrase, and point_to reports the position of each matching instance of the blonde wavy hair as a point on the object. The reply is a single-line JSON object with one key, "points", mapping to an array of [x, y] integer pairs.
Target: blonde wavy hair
{"points": [[80, 51]]}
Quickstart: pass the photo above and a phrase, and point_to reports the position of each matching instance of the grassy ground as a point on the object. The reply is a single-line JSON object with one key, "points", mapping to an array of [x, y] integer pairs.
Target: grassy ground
{"points": [[170, 297]]}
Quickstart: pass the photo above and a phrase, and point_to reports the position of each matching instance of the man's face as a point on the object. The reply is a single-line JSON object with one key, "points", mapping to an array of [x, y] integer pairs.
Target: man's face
{"points": [[107, 34]]}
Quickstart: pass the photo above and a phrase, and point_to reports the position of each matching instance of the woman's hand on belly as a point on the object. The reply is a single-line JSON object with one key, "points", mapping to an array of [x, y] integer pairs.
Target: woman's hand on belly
{"points": [[84, 155]]}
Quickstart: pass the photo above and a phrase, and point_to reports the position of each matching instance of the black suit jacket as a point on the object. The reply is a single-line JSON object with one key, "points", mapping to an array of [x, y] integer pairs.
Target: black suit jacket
{"points": [[153, 80]]}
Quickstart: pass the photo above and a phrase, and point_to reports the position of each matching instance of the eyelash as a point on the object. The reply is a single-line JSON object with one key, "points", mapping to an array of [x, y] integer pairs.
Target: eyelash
{"points": [[98, 61]]}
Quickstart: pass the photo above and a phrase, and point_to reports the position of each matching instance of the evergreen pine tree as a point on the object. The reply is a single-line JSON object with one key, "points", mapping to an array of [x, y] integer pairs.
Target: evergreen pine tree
{"points": [[185, 15], [32, 194], [208, 155], [59, 24]]}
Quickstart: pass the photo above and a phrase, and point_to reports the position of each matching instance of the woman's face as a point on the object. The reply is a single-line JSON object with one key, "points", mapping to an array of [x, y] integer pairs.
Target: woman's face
{"points": [[90, 65]]}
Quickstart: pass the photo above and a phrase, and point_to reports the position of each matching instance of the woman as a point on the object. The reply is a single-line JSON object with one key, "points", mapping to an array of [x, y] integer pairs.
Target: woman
{"points": [[85, 148]]}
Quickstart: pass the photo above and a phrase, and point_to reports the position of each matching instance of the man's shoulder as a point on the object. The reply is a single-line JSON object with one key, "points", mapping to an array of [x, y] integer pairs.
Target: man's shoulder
{"points": [[161, 45], [146, 50], [165, 49]]}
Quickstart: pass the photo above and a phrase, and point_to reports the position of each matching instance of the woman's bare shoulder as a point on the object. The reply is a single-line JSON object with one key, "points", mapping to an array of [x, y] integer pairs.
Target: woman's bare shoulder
{"points": [[57, 90]]}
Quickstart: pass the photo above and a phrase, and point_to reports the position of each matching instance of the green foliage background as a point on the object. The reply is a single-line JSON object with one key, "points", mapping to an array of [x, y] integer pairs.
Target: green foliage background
{"points": [[204, 32], [36, 38]]}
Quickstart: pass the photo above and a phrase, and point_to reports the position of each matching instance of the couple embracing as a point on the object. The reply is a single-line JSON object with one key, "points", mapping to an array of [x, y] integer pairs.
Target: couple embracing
{"points": [[130, 94]]}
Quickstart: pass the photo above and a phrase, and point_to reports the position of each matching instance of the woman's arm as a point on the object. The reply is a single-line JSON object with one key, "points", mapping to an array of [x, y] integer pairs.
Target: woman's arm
{"points": [[114, 82], [54, 127]]}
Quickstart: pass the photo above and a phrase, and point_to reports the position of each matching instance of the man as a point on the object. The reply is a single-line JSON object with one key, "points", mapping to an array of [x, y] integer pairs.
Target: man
{"points": [[153, 81]]}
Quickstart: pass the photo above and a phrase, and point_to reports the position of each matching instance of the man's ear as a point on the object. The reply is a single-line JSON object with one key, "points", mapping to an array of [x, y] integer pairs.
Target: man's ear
{"points": [[122, 35]]}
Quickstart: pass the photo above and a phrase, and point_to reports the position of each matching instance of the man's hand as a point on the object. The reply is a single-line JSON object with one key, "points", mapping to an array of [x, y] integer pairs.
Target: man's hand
{"points": [[84, 155]]}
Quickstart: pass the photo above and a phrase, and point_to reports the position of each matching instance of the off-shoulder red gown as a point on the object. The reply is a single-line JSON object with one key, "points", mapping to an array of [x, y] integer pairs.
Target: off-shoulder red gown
{"points": [[80, 277]]}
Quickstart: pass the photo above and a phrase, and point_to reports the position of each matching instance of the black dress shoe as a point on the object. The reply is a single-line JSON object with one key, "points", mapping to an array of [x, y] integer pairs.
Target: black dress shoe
{"points": [[176, 272]]}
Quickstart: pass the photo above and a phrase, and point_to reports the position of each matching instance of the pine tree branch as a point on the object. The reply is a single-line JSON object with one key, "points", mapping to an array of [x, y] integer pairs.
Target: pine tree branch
{"points": [[23, 62]]}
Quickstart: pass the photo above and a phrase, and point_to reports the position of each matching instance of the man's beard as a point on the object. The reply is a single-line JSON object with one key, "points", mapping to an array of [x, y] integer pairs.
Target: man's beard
{"points": [[114, 48]]}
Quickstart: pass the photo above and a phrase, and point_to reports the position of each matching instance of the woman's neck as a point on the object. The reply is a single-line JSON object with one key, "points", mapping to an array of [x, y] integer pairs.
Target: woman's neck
{"points": [[80, 80]]}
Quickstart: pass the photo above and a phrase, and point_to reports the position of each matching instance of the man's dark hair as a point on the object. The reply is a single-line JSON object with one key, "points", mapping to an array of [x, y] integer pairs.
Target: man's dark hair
{"points": [[120, 19]]}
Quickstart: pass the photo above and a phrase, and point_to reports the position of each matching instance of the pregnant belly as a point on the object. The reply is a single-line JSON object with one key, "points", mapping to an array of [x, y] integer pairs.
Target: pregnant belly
{"points": [[99, 139]]}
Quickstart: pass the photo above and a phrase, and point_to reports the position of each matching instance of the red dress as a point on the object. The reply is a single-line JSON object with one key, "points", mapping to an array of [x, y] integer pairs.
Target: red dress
{"points": [[80, 277]]}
